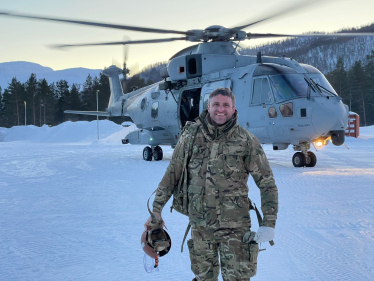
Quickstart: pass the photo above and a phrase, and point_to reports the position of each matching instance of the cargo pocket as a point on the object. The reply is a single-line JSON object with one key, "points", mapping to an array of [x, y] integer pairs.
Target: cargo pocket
{"points": [[235, 208], [248, 262], [194, 264]]}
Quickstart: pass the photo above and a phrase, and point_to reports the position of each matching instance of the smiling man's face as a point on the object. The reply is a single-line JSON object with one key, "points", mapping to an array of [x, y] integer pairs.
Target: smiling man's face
{"points": [[221, 109]]}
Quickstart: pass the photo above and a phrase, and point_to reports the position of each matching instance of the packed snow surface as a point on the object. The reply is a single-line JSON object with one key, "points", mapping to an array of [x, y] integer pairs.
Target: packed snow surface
{"points": [[73, 208]]}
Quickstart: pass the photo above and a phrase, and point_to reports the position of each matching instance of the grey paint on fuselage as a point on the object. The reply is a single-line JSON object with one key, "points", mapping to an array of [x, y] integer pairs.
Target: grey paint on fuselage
{"points": [[322, 114]]}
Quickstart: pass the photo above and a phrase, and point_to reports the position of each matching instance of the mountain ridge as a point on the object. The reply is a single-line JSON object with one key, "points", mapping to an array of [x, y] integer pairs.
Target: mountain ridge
{"points": [[23, 69]]}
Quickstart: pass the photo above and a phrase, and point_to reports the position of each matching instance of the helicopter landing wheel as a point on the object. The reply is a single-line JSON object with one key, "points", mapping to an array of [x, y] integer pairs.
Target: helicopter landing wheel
{"points": [[147, 153], [157, 153], [298, 160], [310, 160]]}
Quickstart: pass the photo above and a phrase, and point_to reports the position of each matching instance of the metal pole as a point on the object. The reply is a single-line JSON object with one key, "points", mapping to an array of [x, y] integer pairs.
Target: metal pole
{"points": [[25, 112], [97, 109]]}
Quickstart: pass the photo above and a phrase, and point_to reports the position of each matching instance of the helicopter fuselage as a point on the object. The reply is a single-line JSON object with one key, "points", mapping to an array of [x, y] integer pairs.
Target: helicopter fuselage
{"points": [[279, 100]]}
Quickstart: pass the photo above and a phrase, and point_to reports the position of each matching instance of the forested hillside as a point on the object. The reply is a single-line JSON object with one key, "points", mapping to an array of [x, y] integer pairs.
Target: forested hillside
{"points": [[320, 52]]}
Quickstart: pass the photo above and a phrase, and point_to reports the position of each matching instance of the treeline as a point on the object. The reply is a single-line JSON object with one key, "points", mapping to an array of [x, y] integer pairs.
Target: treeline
{"points": [[38, 102], [356, 87]]}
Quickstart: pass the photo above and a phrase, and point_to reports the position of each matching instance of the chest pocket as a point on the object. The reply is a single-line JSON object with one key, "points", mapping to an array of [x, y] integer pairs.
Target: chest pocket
{"points": [[233, 159], [197, 164]]}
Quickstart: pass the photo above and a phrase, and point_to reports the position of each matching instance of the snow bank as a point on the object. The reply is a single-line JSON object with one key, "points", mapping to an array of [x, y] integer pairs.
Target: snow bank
{"points": [[366, 132], [67, 132]]}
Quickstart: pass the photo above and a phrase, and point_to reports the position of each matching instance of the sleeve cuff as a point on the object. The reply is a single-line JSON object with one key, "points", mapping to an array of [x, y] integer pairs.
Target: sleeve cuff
{"points": [[269, 220]]}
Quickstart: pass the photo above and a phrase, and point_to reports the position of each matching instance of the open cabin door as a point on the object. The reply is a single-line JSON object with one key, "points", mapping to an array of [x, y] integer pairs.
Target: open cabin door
{"points": [[189, 105], [210, 87]]}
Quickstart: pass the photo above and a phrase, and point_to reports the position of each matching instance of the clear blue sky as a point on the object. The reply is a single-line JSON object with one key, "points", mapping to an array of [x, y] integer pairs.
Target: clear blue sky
{"points": [[26, 40]]}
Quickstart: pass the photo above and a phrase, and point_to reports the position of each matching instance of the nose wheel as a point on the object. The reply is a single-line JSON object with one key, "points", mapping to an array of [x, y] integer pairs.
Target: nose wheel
{"points": [[154, 152], [304, 158]]}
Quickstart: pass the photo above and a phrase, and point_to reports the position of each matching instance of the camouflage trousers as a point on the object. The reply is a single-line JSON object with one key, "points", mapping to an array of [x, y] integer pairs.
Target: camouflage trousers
{"points": [[212, 250]]}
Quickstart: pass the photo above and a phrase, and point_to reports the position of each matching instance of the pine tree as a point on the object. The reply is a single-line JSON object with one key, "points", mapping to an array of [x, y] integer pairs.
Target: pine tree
{"points": [[46, 102], [1, 109], [62, 95], [338, 79], [74, 102], [358, 89], [104, 92], [9, 116], [15, 89], [369, 75], [31, 91], [87, 94]]}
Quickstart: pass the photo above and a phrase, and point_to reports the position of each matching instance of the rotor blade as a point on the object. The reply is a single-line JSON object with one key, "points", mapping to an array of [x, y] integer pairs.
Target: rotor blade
{"points": [[271, 35], [126, 49], [107, 25], [123, 42], [286, 9]]}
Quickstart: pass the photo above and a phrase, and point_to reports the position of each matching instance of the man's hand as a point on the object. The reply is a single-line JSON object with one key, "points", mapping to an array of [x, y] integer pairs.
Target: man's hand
{"points": [[149, 220], [264, 234], [249, 236]]}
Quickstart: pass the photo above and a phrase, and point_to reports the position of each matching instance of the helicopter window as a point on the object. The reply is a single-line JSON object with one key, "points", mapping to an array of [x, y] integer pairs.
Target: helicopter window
{"points": [[290, 86], [321, 80], [142, 104], [266, 96], [256, 95], [154, 111], [192, 66], [206, 100], [261, 92], [272, 112], [286, 109]]}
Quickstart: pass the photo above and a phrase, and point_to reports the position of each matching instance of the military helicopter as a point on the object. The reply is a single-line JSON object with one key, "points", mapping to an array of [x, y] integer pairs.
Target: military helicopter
{"points": [[282, 102]]}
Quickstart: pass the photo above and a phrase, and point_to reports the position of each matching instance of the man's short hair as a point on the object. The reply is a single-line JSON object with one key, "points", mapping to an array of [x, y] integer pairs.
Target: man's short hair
{"points": [[224, 92]]}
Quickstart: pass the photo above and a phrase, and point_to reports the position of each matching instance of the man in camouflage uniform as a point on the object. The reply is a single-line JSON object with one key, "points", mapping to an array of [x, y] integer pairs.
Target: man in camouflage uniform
{"points": [[223, 156]]}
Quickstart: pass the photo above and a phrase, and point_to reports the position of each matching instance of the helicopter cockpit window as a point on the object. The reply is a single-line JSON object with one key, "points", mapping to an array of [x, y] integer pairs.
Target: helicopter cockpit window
{"points": [[290, 86], [323, 84], [154, 111], [286, 109], [256, 95], [266, 95], [261, 92]]}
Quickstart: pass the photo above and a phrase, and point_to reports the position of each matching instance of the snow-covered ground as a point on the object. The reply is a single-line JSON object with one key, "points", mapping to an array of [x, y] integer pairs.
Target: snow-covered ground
{"points": [[73, 208]]}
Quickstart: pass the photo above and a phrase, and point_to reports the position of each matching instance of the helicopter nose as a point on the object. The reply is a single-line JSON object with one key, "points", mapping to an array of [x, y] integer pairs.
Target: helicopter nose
{"points": [[329, 115]]}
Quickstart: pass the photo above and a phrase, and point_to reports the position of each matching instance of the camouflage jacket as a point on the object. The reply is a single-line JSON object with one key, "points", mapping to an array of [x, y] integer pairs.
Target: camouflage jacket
{"points": [[222, 159]]}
